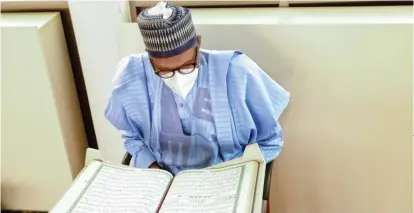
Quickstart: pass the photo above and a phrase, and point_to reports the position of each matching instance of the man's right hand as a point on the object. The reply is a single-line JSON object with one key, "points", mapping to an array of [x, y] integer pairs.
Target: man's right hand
{"points": [[154, 166]]}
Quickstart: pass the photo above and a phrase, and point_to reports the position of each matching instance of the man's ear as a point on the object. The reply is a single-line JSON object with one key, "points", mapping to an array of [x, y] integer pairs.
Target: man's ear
{"points": [[199, 40]]}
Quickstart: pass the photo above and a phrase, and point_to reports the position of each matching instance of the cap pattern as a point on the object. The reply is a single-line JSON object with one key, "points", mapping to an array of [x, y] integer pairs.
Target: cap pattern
{"points": [[167, 36]]}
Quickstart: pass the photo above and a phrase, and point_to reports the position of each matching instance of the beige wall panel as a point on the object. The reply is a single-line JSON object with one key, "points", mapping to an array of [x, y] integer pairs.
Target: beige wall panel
{"points": [[43, 140]]}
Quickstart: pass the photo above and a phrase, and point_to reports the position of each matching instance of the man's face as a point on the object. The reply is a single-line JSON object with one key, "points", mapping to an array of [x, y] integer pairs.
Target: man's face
{"points": [[187, 59]]}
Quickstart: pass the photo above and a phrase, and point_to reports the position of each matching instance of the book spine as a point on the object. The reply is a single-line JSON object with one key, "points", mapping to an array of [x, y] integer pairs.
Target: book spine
{"points": [[165, 195]]}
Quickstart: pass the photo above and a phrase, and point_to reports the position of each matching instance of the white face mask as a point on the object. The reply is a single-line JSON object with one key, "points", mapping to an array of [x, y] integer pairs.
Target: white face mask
{"points": [[181, 84]]}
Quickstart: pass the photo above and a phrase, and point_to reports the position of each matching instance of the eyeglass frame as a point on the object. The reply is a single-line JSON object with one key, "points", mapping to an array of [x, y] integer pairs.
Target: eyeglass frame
{"points": [[193, 64]]}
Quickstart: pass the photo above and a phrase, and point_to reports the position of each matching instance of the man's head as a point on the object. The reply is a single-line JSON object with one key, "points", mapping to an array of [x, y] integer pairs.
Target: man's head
{"points": [[170, 37]]}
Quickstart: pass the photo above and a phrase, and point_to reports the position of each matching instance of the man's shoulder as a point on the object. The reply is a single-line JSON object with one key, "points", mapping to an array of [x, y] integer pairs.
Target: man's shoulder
{"points": [[238, 61], [220, 53], [241, 64], [128, 69]]}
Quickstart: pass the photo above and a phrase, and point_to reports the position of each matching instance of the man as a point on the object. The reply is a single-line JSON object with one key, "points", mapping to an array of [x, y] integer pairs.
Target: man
{"points": [[181, 107]]}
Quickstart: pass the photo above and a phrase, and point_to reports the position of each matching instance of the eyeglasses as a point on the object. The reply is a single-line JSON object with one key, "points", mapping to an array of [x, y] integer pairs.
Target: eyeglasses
{"points": [[184, 69], [170, 73]]}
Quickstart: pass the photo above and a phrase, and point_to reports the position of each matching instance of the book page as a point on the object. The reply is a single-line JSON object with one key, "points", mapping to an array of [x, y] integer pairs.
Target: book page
{"points": [[112, 188], [252, 152], [223, 190]]}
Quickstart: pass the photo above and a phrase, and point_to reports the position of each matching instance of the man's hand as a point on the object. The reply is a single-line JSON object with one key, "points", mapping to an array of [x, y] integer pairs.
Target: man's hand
{"points": [[154, 166]]}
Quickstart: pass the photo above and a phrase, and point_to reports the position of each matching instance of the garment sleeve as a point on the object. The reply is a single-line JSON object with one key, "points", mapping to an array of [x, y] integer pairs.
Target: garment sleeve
{"points": [[131, 133], [266, 100]]}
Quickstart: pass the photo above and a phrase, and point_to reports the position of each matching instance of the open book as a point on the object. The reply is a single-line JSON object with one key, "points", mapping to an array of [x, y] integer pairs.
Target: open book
{"points": [[234, 186]]}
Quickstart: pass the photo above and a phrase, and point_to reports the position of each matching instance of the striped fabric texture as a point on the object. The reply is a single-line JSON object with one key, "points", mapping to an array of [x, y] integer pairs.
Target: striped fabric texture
{"points": [[167, 30]]}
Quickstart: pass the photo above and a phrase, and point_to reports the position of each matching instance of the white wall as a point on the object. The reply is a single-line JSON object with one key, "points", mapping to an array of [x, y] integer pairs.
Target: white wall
{"points": [[95, 24], [348, 128]]}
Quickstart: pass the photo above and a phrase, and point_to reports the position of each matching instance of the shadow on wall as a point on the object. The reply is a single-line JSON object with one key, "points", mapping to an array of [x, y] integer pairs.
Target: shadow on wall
{"points": [[261, 52]]}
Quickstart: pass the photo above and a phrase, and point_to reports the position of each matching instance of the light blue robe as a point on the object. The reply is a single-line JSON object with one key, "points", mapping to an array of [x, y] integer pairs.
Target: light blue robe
{"points": [[233, 103]]}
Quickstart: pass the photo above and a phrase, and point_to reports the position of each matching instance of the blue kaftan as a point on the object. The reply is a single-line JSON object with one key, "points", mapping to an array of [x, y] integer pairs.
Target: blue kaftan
{"points": [[233, 103]]}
